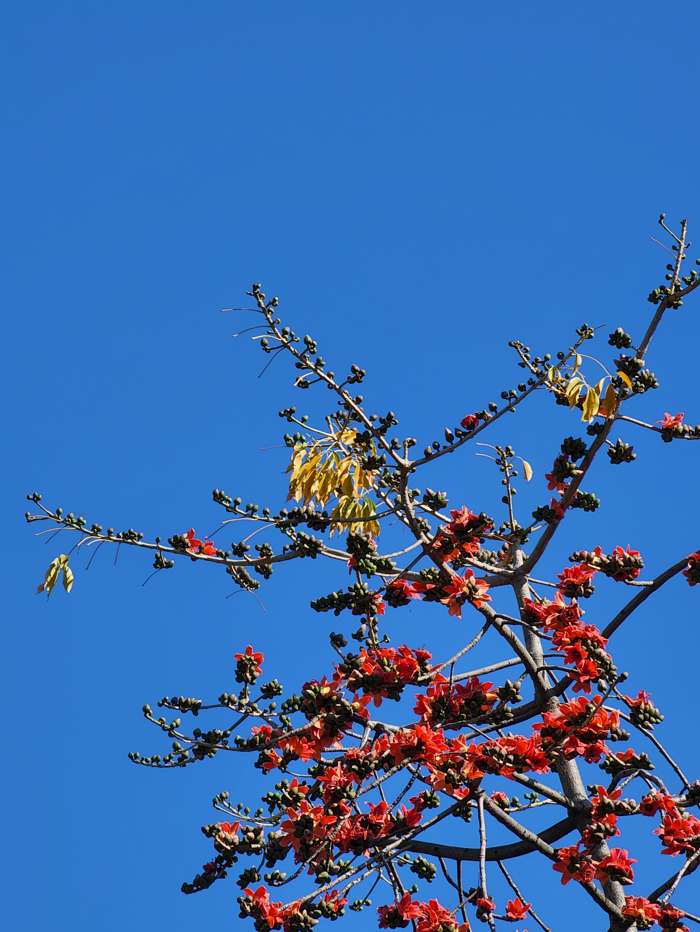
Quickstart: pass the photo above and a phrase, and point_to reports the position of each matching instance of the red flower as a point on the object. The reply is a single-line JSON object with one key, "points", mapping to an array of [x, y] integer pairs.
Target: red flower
{"points": [[655, 801], [574, 865], [640, 909], [435, 918], [304, 826], [259, 906], [616, 866], [194, 545], [398, 914], [469, 422], [556, 479], [465, 589], [501, 801], [669, 422], [678, 833], [516, 909], [575, 581], [229, 828], [248, 667], [670, 919], [334, 902], [400, 592]]}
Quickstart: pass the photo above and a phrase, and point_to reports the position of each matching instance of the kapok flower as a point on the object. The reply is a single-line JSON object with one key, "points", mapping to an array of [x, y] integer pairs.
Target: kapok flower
{"points": [[435, 918], [305, 825], [575, 581], [654, 802], [669, 421], [641, 910], [678, 833], [400, 592], [465, 589], [248, 667], [194, 545], [616, 866], [516, 909], [670, 919], [574, 865], [399, 913], [501, 800], [562, 471], [258, 905], [469, 422]]}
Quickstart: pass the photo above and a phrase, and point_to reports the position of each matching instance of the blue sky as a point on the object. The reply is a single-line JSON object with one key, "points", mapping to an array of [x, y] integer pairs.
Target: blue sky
{"points": [[419, 183]]}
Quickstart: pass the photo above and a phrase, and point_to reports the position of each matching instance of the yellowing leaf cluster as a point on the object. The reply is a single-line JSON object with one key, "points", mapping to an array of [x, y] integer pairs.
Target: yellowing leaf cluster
{"points": [[328, 469], [59, 565], [594, 401]]}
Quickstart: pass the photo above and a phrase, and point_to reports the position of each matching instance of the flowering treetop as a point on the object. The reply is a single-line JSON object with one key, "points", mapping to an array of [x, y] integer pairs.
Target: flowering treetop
{"points": [[367, 786]]}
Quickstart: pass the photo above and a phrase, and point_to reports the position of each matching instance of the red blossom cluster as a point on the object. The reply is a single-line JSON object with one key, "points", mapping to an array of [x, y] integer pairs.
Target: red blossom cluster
{"points": [[296, 917], [328, 818], [582, 645], [680, 833], [578, 729], [455, 704], [577, 864], [384, 672]]}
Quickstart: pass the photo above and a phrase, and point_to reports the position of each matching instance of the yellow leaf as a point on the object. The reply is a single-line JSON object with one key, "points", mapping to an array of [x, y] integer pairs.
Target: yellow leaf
{"points": [[573, 390], [578, 363], [599, 387], [590, 405], [527, 469], [52, 574], [625, 378], [609, 401]]}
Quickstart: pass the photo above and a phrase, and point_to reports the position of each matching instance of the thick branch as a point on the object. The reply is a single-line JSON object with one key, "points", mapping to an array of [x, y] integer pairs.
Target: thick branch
{"points": [[495, 853]]}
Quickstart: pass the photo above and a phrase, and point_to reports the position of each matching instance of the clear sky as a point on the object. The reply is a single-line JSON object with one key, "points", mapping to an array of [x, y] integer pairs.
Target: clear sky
{"points": [[419, 183]]}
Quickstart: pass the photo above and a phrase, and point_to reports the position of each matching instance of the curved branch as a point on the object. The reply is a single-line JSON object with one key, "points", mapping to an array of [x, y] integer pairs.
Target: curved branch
{"points": [[642, 596], [495, 853]]}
